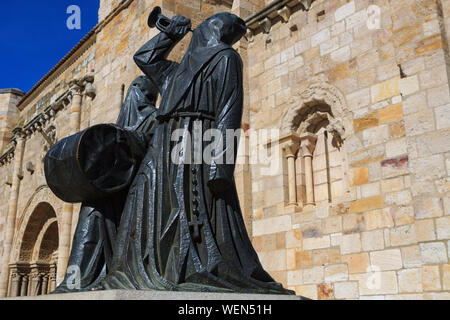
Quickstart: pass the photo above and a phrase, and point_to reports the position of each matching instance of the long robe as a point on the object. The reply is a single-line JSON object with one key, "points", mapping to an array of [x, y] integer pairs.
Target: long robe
{"points": [[160, 243], [98, 222]]}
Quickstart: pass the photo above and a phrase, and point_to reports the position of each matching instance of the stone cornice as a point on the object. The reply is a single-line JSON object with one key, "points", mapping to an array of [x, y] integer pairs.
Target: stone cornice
{"points": [[49, 113], [278, 10], [7, 156], [15, 91]]}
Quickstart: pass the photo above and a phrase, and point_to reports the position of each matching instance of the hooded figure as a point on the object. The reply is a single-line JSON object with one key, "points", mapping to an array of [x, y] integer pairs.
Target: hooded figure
{"points": [[182, 227], [138, 111], [95, 235]]}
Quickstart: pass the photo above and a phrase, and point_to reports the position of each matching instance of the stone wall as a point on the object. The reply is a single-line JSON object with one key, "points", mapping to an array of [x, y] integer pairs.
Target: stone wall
{"points": [[9, 98], [359, 206], [386, 236]]}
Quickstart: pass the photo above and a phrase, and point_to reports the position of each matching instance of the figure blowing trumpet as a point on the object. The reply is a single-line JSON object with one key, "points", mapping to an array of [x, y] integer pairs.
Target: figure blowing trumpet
{"points": [[177, 27]]}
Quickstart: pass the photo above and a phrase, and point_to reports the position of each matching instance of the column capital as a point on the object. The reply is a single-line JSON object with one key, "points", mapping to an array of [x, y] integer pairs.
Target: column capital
{"points": [[76, 89], [291, 148], [308, 144], [18, 133]]}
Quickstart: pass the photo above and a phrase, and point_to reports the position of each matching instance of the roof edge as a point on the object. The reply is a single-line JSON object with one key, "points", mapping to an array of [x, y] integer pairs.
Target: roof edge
{"points": [[15, 91]]}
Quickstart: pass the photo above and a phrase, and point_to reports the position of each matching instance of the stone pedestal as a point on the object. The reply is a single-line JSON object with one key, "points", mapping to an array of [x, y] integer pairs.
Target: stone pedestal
{"points": [[159, 295]]}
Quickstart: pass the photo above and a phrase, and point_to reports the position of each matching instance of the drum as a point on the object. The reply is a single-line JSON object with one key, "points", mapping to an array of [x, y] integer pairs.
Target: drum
{"points": [[94, 164]]}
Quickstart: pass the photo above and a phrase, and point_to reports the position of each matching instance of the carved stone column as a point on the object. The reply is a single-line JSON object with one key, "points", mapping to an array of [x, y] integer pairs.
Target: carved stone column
{"points": [[291, 150], [12, 212], [308, 145], [44, 289], [24, 289], [67, 214], [35, 280], [88, 94], [52, 278], [14, 290], [75, 115], [65, 240]]}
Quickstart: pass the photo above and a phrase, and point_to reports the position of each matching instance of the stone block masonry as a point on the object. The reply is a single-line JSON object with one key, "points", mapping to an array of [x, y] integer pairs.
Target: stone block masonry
{"points": [[359, 208], [386, 235]]}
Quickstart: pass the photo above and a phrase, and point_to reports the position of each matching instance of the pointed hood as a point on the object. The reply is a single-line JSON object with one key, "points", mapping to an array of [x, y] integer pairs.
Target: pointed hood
{"points": [[214, 35], [139, 104]]}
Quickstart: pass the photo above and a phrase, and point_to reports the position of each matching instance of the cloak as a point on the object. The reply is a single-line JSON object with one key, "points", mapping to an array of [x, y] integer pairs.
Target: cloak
{"points": [[182, 227], [89, 170]]}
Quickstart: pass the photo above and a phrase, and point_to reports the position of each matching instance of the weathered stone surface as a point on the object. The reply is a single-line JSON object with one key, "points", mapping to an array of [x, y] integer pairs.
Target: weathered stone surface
{"points": [[273, 260], [357, 263], [388, 182], [351, 243], [353, 223], [391, 113], [446, 276], [428, 208], [325, 291], [271, 225], [314, 275], [443, 228], [346, 10], [316, 243], [336, 273], [367, 204], [442, 117], [410, 280], [425, 230], [431, 279], [387, 260], [378, 219], [411, 256], [326, 256], [346, 290], [373, 240], [294, 278], [385, 90], [404, 235], [409, 85], [308, 291], [434, 252], [368, 121], [376, 283]]}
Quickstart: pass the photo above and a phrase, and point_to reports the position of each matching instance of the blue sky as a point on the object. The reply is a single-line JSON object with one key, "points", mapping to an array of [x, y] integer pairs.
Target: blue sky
{"points": [[34, 37]]}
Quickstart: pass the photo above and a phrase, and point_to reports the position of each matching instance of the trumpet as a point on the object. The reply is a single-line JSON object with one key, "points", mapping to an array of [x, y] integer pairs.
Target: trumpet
{"points": [[158, 20]]}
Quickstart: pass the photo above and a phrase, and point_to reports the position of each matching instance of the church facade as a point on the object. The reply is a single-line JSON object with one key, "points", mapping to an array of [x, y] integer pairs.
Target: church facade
{"points": [[355, 200]]}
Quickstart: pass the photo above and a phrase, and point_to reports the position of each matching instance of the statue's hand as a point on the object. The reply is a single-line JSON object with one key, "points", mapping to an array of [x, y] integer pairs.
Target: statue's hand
{"points": [[178, 27]]}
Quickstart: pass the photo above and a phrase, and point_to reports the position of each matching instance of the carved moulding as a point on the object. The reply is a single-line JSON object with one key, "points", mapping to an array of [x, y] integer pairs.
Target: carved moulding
{"points": [[42, 194], [279, 10], [317, 104]]}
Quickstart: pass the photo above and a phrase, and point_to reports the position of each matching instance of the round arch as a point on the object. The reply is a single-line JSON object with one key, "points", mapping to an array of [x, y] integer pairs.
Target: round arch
{"points": [[46, 242], [42, 194], [33, 271], [314, 127], [41, 218], [317, 94]]}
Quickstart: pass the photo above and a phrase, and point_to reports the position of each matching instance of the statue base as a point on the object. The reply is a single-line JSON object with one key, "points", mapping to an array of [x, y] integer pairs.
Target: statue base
{"points": [[159, 295]]}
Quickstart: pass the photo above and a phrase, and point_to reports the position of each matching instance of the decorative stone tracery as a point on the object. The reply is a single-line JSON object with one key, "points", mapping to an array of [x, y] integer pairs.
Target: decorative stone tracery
{"points": [[312, 130]]}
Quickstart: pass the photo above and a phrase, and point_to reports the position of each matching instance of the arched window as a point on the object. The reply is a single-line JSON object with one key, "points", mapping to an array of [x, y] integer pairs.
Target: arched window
{"points": [[313, 139]]}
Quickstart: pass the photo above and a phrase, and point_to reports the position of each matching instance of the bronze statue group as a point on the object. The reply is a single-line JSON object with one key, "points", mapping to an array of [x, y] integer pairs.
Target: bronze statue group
{"points": [[147, 222]]}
